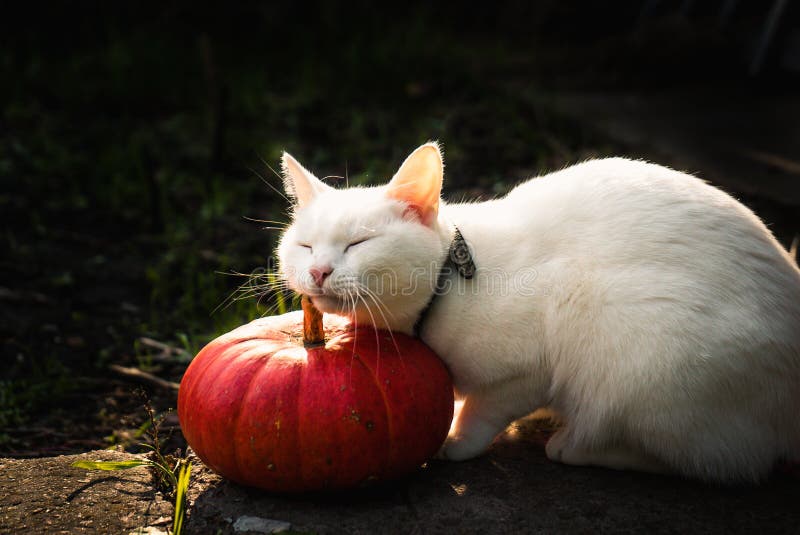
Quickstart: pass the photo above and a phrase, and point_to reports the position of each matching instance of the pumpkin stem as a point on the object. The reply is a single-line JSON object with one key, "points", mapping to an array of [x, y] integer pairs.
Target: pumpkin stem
{"points": [[313, 330]]}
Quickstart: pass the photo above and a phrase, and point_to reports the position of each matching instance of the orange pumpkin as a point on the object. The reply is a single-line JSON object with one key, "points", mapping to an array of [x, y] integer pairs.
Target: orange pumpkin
{"points": [[272, 405]]}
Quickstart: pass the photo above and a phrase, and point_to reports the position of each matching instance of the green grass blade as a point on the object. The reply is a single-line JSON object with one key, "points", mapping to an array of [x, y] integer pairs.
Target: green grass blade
{"points": [[280, 300], [296, 301], [143, 429], [111, 465], [180, 497]]}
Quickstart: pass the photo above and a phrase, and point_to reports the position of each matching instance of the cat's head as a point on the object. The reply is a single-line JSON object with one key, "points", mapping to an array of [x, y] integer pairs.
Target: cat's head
{"points": [[370, 253]]}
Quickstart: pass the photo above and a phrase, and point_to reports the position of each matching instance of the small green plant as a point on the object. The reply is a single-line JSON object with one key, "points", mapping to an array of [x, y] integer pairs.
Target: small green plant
{"points": [[179, 483], [172, 472], [181, 488]]}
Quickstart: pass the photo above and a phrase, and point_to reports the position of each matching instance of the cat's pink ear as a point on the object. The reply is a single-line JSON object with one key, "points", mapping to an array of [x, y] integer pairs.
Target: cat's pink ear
{"points": [[418, 182], [298, 182]]}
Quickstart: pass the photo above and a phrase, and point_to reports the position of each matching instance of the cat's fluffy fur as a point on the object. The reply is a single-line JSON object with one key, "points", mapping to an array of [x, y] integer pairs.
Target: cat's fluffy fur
{"points": [[655, 315]]}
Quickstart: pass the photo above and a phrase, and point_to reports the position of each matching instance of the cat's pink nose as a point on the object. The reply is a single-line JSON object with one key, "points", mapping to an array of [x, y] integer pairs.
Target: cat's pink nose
{"points": [[320, 273]]}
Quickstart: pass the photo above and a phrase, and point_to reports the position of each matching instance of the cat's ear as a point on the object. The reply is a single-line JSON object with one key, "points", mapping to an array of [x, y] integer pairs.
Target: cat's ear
{"points": [[418, 182], [299, 183]]}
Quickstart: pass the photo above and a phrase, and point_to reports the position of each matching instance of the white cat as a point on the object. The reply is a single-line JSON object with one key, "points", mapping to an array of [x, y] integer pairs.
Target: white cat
{"points": [[655, 315]]}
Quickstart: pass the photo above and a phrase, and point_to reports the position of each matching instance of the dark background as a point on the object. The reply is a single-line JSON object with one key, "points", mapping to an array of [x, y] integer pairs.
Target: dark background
{"points": [[137, 138]]}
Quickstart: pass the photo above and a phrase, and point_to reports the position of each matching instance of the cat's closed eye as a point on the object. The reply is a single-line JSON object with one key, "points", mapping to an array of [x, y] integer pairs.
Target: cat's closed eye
{"points": [[305, 246], [354, 243]]}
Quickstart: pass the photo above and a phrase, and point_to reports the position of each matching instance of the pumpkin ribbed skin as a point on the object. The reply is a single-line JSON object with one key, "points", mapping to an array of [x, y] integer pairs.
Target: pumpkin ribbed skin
{"points": [[260, 409]]}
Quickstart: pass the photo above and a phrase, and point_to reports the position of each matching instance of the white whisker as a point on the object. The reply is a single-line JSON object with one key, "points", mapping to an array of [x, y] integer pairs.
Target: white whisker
{"points": [[258, 285], [283, 224], [372, 320], [265, 181], [380, 307]]}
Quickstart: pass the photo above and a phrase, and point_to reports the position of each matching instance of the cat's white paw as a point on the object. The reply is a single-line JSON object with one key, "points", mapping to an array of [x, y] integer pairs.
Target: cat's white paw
{"points": [[556, 445], [460, 449], [559, 450]]}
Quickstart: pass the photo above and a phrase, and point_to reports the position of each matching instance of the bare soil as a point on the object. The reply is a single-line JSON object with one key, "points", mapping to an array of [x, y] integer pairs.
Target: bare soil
{"points": [[48, 495], [512, 489]]}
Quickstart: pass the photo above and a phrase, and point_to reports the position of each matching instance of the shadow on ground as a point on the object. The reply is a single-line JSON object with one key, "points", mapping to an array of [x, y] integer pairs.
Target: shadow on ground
{"points": [[513, 489]]}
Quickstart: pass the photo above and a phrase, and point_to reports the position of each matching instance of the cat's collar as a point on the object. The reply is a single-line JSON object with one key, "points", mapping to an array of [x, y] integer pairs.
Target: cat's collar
{"points": [[459, 258]]}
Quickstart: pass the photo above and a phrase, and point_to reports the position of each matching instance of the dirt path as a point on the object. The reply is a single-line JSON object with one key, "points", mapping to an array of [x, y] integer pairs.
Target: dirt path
{"points": [[513, 489], [48, 495]]}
